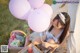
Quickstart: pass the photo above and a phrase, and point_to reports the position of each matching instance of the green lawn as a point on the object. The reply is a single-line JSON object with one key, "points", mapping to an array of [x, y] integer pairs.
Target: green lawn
{"points": [[8, 22]]}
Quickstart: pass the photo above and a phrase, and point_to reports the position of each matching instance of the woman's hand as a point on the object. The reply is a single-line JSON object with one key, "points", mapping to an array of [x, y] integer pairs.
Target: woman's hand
{"points": [[51, 41], [36, 41], [47, 45]]}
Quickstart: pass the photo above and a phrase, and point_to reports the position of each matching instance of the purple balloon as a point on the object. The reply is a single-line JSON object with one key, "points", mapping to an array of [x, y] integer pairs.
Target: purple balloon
{"points": [[36, 3], [38, 20], [19, 8], [47, 9], [27, 14]]}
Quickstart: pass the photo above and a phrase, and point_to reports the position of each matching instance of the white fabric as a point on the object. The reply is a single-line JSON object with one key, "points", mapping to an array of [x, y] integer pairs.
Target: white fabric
{"points": [[77, 30], [71, 47], [62, 17]]}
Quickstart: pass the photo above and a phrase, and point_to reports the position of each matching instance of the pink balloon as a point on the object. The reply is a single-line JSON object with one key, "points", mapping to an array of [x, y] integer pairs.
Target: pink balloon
{"points": [[19, 8], [38, 21], [47, 9], [36, 3]]}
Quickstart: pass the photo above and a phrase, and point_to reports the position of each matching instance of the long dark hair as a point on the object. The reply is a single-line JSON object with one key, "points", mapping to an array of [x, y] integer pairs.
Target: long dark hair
{"points": [[66, 25]]}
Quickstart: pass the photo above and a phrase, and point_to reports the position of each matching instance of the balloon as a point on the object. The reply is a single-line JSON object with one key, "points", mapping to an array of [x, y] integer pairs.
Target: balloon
{"points": [[47, 8], [27, 14], [19, 8], [38, 21], [36, 3]]}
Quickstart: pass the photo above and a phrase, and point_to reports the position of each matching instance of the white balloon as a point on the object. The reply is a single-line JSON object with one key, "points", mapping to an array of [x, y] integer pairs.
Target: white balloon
{"points": [[47, 9], [27, 14], [36, 3], [38, 21], [19, 8]]}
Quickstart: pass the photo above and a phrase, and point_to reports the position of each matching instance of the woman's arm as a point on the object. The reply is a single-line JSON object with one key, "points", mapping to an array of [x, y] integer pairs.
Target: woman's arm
{"points": [[27, 41], [40, 39]]}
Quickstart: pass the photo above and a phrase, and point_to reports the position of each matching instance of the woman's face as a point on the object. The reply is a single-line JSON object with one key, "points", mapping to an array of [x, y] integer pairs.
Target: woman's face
{"points": [[57, 24]]}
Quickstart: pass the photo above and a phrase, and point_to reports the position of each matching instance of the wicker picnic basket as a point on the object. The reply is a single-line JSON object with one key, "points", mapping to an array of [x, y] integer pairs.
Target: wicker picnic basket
{"points": [[12, 39]]}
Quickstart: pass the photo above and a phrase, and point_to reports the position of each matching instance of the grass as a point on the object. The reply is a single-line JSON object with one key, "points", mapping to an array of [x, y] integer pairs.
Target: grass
{"points": [[9, 23]]}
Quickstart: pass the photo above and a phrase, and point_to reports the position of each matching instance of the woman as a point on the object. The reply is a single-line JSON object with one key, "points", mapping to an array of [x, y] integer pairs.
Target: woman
{"points": [[56, 33], [60, 27]]}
